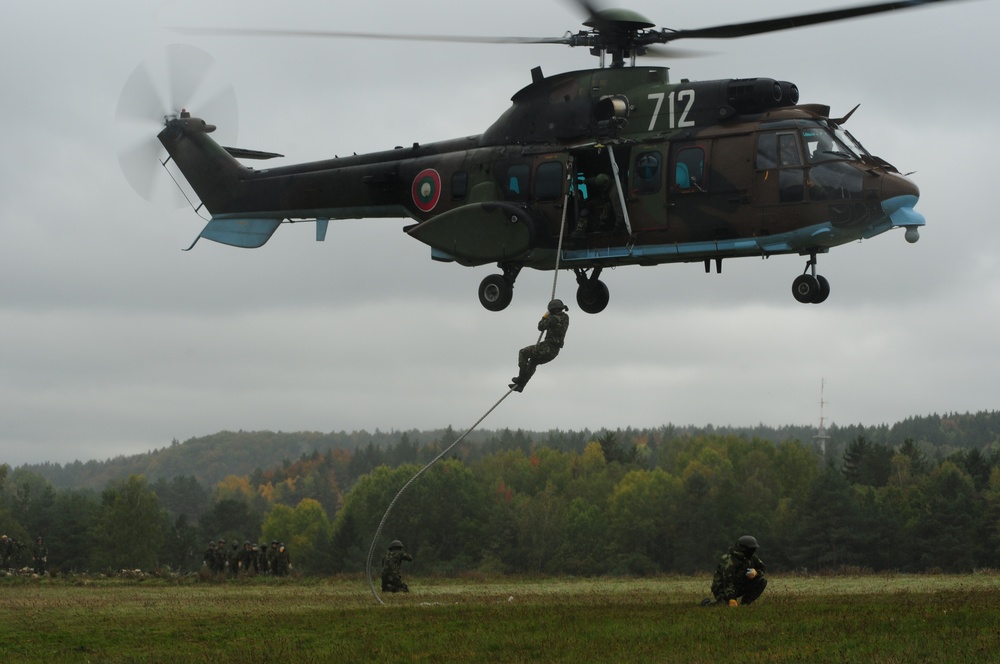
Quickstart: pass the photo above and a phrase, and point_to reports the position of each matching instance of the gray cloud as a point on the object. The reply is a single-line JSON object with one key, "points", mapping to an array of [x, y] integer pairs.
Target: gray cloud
{"points": [[115, 341]]}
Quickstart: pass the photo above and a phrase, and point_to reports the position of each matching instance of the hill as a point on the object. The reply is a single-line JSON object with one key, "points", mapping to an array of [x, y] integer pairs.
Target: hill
{"points": [[211, 458]]}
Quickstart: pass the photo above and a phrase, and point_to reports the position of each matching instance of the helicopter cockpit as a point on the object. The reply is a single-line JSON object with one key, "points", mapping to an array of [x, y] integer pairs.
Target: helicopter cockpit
{"points": [[825, 143]]}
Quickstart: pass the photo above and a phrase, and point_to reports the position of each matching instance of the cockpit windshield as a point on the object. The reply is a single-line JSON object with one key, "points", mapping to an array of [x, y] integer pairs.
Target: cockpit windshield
{"points": [[822, 144], [845, 137]]}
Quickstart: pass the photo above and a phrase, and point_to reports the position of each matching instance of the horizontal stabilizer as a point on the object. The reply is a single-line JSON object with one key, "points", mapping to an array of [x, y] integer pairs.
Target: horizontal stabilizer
{"points": [[243, 153], [245, 233]]}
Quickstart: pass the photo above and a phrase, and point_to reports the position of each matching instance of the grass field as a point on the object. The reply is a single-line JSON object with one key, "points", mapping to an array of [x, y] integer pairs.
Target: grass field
{"points": [[895, 618]]}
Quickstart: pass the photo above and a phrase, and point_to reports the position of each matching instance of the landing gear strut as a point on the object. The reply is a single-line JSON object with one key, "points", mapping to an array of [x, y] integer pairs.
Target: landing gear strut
{"points": [[591, 294], [497, 290], [809, 287]]}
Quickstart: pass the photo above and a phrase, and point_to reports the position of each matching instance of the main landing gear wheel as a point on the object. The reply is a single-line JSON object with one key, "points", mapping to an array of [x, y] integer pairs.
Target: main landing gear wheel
{"points": [[811, 288], [592, 294], [495, 292]]}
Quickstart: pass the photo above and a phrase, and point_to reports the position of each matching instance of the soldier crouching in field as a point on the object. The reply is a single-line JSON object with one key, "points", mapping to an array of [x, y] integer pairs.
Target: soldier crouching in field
{"points": [[392, 562], [739, 576]]}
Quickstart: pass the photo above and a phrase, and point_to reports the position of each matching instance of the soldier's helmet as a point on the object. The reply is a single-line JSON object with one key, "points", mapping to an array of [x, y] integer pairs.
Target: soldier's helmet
{"points": [[395, 544], [557, 307], [747, 544]]}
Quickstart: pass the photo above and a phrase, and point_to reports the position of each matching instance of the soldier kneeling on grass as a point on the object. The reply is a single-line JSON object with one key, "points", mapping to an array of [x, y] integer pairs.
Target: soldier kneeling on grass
{"points": [[739, 576], [392, 562]]}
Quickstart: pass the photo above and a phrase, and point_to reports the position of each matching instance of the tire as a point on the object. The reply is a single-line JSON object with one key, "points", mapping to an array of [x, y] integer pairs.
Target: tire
{"points": [[593, 296], [495, 292], [824, 290], [805, 288]]}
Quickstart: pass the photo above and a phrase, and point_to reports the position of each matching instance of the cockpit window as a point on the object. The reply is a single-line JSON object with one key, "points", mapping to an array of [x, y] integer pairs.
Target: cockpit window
{"points": [[824, 145], [845, 137]]}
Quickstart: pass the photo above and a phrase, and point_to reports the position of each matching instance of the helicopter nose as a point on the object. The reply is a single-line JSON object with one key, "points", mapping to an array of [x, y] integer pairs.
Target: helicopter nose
{"points": [[899, 195]]}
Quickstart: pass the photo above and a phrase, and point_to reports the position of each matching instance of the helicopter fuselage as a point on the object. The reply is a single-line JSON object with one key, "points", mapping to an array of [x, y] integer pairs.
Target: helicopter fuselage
{"points": [[587, 170]]}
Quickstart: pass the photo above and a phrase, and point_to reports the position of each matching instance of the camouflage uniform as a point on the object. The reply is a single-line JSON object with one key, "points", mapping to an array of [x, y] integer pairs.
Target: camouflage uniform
{"points": [[220, 557], [731, 582], [262, 559], [39, 556], [392, 562], [282, 561], [208, 560], [6, 547], [272, 557], [233, 559], [247, 559], [554, 323]]}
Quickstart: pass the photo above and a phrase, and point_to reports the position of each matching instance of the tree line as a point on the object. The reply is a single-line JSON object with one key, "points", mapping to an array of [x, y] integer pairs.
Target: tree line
{"points": [[619, 503], [210, 459]]}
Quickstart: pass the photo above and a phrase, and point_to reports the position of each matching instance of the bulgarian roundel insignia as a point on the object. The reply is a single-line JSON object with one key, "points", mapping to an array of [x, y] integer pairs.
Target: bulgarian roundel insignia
{"points": [[426, 189]]}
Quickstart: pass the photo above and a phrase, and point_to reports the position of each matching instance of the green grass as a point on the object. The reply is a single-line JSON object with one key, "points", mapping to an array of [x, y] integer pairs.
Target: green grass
{"points": [[835, 619]]}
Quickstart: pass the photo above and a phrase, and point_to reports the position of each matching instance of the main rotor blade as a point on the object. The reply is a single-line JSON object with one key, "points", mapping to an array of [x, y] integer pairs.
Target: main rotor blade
{"points": [[325, 34], [789, 22]]}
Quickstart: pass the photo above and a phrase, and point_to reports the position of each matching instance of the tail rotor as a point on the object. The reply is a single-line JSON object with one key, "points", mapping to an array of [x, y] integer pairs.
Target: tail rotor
{"points": [[158, 89]]}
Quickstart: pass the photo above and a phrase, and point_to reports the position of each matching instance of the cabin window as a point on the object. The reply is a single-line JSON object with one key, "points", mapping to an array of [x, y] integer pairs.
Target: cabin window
{"points": [[549, 181], [788, 151], [781, 151], [515, 182], [767, 152], [459, 185], [777, 151], [690, 169], [648, 172]]}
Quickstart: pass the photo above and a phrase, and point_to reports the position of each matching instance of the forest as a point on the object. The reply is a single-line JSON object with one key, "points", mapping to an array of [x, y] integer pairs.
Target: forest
{"points": [[921, 495]]}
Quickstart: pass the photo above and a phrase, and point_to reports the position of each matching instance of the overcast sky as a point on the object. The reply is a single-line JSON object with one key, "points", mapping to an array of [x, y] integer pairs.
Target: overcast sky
{"points": [[115, 341]]}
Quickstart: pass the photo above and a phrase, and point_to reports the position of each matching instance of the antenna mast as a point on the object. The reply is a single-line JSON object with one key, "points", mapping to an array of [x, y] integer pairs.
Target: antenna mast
{"points": [[821, 437]]}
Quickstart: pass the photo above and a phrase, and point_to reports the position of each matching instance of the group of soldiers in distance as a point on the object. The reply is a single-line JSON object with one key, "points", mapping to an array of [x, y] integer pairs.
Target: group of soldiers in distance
{"points": [[12, 555], [250, 560]]}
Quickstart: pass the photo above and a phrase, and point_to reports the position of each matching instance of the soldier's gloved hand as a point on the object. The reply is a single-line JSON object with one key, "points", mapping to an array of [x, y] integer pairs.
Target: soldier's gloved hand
{"points": [[751, 573], [545, 315], [733, 604]]}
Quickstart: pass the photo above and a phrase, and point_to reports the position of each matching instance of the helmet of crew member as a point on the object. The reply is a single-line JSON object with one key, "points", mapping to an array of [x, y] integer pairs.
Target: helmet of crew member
{"points": [[557, 307], [747, 544], [395, 544]]}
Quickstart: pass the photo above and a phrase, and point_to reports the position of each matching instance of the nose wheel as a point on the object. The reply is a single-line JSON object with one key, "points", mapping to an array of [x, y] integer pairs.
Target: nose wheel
{"points": [[809, 287]]}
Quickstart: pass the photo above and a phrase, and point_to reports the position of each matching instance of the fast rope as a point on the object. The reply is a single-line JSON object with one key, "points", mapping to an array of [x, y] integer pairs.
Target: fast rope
{"points": [[378, 531], [385, 517]]}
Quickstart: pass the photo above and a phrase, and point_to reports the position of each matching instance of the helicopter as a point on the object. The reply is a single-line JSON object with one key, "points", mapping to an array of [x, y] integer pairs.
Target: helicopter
{"points": [[588, 170]]}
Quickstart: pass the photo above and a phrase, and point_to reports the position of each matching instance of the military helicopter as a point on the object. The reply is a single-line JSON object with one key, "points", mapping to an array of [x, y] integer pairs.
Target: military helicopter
{"points": [[589, 169]]}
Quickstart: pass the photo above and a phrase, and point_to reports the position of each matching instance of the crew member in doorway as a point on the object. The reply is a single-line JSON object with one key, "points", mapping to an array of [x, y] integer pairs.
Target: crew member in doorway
{"points": [[554, 323]]}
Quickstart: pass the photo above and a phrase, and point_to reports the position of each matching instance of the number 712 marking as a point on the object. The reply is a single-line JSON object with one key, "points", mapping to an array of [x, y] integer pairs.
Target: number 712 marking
{"points": [[672, 99]]}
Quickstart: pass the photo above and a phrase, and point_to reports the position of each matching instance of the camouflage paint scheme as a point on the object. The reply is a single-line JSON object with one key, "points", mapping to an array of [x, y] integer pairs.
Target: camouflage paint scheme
{"points": [[700, 171]]}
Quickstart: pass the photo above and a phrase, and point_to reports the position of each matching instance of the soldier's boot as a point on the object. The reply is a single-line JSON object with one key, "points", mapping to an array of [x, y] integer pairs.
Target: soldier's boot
{"points": [[518, 382]]}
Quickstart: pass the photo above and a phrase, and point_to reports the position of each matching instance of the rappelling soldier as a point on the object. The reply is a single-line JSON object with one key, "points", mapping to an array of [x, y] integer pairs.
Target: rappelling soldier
{"points": [[392, 563], [554, 324]]}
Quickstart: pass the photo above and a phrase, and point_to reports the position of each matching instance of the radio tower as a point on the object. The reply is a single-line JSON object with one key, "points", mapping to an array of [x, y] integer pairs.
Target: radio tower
{"points": [[821, 438]]}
